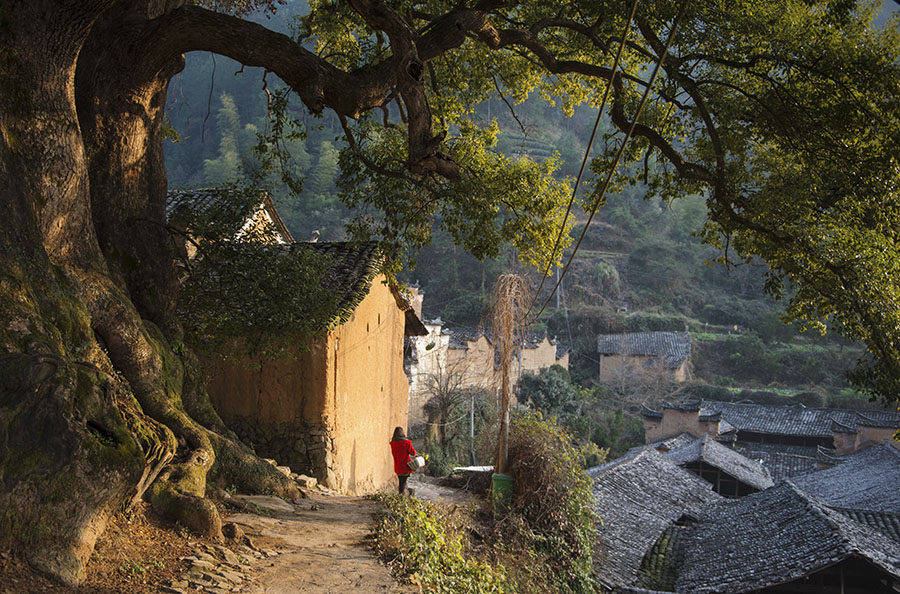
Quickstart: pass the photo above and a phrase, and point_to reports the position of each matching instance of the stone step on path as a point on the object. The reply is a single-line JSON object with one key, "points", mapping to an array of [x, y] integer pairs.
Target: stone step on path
{"points": [[316, 544], [216, 569], [219, 569]]}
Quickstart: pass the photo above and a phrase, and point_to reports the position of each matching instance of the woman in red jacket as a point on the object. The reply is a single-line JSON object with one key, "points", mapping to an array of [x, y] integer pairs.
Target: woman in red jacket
{"points": [[401, 449]]}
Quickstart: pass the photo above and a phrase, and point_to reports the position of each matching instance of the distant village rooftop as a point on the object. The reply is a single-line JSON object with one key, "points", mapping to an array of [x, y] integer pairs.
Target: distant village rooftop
{"points": [[460, 338], [794, 420], [672, 347]]}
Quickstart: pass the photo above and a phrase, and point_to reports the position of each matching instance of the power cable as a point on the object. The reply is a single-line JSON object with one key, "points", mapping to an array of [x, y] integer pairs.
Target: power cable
{"points": [[587, 153], [615, 164]]}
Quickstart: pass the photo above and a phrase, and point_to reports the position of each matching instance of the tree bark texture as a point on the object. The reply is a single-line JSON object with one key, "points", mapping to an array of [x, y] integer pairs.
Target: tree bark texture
{"points": [[92, 397]]}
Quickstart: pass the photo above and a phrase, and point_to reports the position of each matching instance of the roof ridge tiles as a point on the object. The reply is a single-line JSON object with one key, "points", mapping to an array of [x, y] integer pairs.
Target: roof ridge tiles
{"points": [[646, 411], [839, 427], [868, 420]]}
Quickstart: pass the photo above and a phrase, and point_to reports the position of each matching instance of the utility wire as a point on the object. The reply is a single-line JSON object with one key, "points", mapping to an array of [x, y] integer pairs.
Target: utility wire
{"points": [[615, 164], [587, 154]]}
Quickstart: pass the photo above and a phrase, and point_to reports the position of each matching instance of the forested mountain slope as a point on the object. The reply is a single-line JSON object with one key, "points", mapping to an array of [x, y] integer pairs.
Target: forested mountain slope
{"points": [[640, 267]]}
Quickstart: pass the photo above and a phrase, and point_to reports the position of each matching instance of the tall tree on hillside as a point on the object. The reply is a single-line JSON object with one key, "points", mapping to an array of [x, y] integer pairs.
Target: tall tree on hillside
{"points": [[224, 168], [324, 172], [785, 112]]}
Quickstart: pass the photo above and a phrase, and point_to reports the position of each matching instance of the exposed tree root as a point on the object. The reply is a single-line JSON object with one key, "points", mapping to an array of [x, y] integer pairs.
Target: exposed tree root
{"points": [[61, 433]]}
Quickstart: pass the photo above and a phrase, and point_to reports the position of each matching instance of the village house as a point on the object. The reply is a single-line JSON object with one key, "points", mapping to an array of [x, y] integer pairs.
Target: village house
{"points": [[466, 358], [329, 410], [630, 354], [830, 531], [255, 219], [788, 439]]}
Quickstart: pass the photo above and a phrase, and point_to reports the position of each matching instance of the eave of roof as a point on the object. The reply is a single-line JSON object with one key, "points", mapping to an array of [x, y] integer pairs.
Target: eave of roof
{"points": [[707, 450]]}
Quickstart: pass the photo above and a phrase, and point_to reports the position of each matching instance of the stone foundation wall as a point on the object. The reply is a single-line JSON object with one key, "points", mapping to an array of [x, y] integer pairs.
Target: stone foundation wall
{"points": [[307, 449]]}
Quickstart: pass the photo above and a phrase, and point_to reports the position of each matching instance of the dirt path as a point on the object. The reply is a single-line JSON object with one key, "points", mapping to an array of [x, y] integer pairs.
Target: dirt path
{"points": [[426, 487], [317, 546], [322, 545]]}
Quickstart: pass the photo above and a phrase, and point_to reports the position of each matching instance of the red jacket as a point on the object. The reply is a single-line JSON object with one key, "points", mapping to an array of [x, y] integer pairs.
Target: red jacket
{"points": [[401, 451]]}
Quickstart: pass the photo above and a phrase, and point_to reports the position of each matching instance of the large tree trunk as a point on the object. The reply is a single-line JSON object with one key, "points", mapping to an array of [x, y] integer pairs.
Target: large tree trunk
{"points": [[88, 290], [96, 407], [62, 431]]}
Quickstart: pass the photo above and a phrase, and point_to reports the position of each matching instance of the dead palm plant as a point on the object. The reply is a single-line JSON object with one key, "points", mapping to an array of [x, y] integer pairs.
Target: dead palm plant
{"points": [[511, 299]]}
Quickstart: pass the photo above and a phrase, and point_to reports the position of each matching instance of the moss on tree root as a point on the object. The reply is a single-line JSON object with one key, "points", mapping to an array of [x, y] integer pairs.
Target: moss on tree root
{"points": [[67, 460]]}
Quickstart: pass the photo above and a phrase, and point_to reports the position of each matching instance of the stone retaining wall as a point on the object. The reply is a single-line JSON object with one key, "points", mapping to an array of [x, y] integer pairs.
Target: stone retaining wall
{"points": [[307, 449]]}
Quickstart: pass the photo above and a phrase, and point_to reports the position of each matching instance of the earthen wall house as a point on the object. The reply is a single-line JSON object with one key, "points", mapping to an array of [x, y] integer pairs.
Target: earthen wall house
{"points": [[331, 411], [626, 355], [543, 353], [674, 421], [466, 358], [850, 439]]}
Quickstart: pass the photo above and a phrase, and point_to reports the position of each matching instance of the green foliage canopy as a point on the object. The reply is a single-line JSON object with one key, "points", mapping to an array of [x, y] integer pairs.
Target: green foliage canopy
{"points": [[551, 392], [783, 114]]}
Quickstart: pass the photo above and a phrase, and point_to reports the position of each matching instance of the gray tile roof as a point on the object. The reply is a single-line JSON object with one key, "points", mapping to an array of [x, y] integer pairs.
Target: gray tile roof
{"points": [[786, 420], [706, 449], [673, 347], [637, 497], [772, 537], [351, 272], [781, 461], [887, 523], [687, 405], [670, 443], [877, 418], [865, 480], [780, 420], [228, 203]]}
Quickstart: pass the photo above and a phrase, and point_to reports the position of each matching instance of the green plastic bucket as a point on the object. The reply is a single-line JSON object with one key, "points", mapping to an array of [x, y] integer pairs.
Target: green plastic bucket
{"points": [[502, 490]]}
